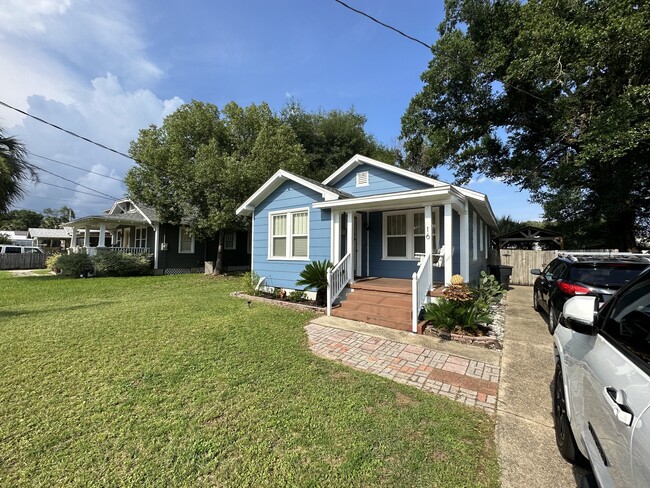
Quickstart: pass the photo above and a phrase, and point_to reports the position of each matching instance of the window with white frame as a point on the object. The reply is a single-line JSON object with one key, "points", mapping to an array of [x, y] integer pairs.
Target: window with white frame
{"points": [[141, 237], [404, 234], [118, 238], [230, 241], [289, 234], [185, 241]]}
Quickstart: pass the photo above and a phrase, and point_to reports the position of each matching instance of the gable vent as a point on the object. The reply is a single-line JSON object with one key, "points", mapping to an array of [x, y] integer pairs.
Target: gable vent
{"points": [[362, 178]]}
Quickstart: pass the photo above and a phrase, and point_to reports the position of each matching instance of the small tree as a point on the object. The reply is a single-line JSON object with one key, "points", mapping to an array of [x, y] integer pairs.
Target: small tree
{"points": [[315, 276]]}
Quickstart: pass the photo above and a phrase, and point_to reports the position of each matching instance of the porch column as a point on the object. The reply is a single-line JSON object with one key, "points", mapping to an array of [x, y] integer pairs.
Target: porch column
{"points": [[86, 237], [464, 242], [428, 229], [102, 235], [336, 237], [73, 238], [449, 243], [156, 244], [350, 235]]}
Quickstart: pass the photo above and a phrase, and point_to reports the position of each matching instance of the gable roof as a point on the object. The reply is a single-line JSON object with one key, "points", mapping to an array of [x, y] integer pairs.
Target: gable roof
{"points": [[274, 182], [358, 160], [150, 215]]}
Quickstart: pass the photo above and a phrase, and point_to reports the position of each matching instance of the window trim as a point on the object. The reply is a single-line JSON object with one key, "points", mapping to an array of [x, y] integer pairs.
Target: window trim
{"points": [[289, 235], [358, 180], [410, 233], [233, 245], [474, 237], [143, 231], [180, 241]]}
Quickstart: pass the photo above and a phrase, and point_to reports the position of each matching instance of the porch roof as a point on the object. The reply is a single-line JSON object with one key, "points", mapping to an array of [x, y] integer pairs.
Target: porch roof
{"points": [[415, 198], [109, 220]]}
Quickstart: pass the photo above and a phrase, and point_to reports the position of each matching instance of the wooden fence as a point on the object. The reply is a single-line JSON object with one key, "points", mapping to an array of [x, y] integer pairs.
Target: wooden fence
{"points": [[30, 260], [522, 262]]}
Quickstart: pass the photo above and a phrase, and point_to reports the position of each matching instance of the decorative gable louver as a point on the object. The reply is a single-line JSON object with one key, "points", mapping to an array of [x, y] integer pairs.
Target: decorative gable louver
{"points": [[362, 178]]}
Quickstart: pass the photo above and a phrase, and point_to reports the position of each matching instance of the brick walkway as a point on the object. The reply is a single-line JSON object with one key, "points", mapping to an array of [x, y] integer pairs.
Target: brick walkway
{"points": [[464, 380]]}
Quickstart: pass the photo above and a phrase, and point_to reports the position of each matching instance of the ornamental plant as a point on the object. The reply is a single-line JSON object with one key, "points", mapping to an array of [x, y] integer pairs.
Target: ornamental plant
{"points": [[315, 276]]}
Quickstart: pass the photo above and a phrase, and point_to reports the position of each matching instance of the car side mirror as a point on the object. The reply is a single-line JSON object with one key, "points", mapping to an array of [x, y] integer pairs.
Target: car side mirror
{"points": [[535, 271], [579, 314]]}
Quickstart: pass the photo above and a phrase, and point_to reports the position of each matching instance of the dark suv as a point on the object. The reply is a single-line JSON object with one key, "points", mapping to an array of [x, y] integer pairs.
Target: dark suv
{"points": [[571, 274]]}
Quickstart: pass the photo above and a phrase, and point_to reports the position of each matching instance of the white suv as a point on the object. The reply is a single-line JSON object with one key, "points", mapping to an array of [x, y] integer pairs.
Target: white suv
{"points": [[601, 399], [11, 249]]}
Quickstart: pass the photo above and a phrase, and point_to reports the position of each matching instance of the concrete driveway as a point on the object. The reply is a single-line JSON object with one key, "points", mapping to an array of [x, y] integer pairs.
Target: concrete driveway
{"points": [[525, 437]]}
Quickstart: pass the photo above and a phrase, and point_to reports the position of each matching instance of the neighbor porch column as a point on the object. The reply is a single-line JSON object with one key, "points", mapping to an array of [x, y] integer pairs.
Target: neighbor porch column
{"points": [[156, 244], [102, 235], [86, 237], [464, 242], [73, 238], [449, 243]]}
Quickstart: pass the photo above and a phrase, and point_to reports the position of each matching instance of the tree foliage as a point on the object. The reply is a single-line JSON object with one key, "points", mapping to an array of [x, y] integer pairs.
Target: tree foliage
{"points": [[20, 220], [14, 169], [53, 218], [552, 96]]}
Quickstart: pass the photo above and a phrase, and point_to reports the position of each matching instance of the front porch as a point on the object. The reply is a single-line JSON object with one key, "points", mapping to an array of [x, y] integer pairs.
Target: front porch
{"points": [[383, 301]]}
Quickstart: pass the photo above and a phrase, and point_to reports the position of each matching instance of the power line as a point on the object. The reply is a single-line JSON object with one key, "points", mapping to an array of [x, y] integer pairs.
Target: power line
{"points": [[65, 130], [76, 167], [62, 199], [436, 51], [75, 190], [72, 181]]}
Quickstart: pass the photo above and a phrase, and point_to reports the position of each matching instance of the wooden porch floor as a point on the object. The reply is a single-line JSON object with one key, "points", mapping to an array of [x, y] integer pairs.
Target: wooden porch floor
{"points": [[392, 285]]}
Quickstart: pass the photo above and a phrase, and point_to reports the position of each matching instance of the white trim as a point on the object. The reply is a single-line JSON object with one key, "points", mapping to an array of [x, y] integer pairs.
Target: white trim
{"points": [[180, 241], [233, 246], [156, 244], [410, 198], [273, 183], [289, 234], [474, 238], [487, 240], [449, 243], [358, 249], [464, 242], [358, 159], [137, 242], [481, 240], [368, 244], [410, 234], [135, 206], [252, 242]]}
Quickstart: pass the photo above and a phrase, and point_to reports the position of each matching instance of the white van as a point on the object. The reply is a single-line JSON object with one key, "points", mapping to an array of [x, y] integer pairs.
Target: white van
{"points": [[11, 249]]}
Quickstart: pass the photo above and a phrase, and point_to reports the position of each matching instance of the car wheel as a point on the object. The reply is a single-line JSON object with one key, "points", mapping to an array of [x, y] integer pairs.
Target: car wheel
{"points": [[535, 302], [566, 443], [552, 319]]}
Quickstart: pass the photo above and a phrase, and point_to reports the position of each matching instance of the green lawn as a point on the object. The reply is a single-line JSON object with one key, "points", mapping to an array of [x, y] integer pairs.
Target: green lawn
{"points": [[163, 381]]}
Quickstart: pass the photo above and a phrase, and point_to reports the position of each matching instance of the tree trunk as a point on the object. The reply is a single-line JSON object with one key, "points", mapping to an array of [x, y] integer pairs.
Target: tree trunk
{"points": [[218, 265]]}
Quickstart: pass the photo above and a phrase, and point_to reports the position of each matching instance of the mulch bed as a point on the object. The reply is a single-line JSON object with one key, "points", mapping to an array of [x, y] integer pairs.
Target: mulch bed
{"points": [[308, 305]]}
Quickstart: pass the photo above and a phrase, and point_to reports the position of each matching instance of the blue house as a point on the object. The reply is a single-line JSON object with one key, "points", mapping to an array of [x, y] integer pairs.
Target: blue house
{"points": [[393, 236]]}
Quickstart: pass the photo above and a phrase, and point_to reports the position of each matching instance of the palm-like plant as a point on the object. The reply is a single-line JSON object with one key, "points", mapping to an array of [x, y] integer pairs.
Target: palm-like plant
{"points": [[315, 276], [14, 168]]}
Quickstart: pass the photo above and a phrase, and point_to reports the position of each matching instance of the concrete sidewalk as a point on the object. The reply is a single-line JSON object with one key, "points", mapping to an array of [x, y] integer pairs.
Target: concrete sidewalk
{"points": [[525, 437]]}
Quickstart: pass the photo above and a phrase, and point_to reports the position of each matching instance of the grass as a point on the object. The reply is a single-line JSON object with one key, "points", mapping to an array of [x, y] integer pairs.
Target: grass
{"points": [[169, 381]]}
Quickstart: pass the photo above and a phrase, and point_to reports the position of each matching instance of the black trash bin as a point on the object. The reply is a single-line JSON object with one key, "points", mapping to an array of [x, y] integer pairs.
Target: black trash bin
{"points": [[502, 273]]}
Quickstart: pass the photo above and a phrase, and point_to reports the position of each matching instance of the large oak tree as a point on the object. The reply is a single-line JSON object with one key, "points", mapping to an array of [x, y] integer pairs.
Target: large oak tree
{"points": [[552, 96]]}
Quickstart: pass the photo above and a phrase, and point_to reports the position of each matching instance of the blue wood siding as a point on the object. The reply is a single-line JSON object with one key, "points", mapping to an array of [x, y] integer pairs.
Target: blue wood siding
{"points": [[380, 182], [283, 273]]}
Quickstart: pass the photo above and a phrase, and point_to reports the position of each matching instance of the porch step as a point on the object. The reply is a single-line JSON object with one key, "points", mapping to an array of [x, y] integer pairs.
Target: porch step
{"points": [[389, 309]]}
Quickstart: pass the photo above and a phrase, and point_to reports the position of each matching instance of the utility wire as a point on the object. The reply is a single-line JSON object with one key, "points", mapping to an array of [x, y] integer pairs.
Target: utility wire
{"points": [[63, 199], [76, 167], [72, 181], [436, 51], [75, 190], [65, 130]]}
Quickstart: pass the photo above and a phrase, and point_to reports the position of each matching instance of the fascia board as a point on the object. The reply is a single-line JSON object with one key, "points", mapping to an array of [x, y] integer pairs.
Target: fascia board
{"points": [[358, 159], [382, 200]]}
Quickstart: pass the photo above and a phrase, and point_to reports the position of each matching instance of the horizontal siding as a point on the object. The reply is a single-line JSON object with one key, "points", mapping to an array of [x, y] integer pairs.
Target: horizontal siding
{"points": [[380, 182], [171, 257], [290, 195]]}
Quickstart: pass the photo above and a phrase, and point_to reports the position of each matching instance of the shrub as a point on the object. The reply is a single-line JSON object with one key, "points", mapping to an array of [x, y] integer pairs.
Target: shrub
{"points": [[52, 263], [453, 315], [315, 276], [297, 296], [249, 281], [113, 263], [75, 265], [489, 290]]}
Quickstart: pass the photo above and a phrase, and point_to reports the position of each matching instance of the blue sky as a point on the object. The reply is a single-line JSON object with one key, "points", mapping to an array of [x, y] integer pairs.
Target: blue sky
{"points": [[107, 69]]}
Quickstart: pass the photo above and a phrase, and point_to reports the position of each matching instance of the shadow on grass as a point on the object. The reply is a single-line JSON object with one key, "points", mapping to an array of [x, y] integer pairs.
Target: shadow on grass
{"points": [[7, 314]]}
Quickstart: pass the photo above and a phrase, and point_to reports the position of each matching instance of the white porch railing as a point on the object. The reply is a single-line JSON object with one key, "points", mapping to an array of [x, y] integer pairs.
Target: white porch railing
{"points": [[337, 278], [92, 251], [422, 280]]}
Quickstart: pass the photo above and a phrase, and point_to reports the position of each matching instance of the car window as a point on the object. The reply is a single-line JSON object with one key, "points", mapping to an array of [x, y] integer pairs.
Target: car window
{"points": [[548, 271], [606, 274], [12, 249], [559, 271], [628, 322]]}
